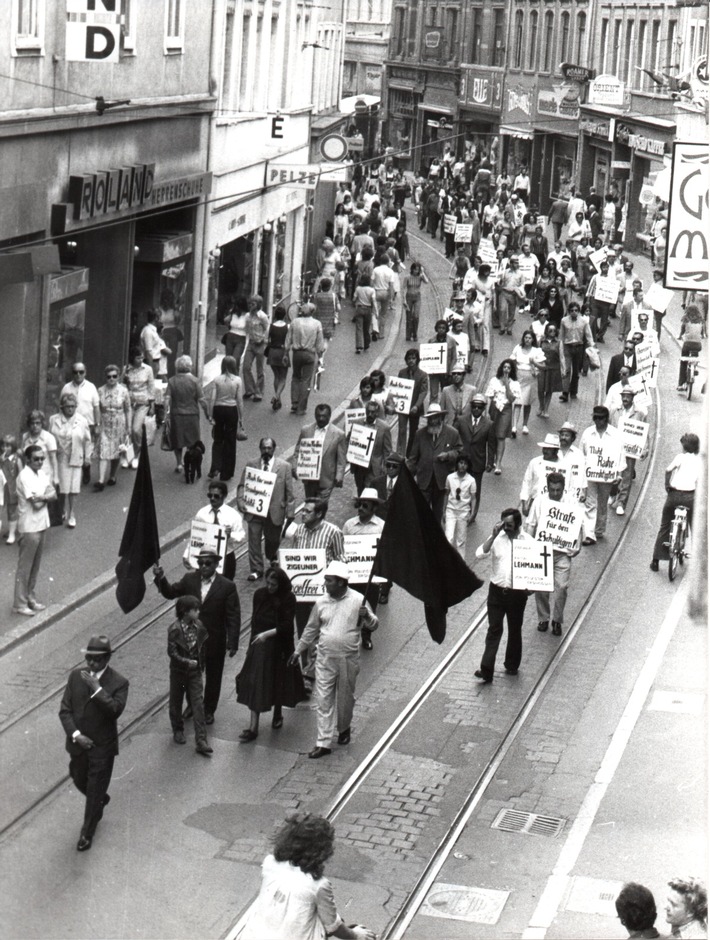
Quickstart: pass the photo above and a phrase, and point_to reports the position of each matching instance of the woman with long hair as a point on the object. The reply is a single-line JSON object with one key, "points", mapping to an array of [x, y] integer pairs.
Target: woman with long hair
{"points": [[549, 377], [278, 357], [503, 392], [527, 358], [225, 406]]}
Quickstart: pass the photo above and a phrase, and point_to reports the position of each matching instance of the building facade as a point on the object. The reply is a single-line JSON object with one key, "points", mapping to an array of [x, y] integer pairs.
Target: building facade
{"points": [[101, 215], [367, 34]]}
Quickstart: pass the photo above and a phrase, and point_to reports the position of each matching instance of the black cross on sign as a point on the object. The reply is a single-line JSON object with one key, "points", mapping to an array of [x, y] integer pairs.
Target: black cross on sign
{"points": [[221, 537], [371, 435], [546, 554]]}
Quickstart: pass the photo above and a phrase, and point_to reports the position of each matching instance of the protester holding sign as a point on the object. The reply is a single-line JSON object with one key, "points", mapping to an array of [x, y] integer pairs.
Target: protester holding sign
{"points": [[265, 496], [407, 424], [369, 443], [364, 527], [504, 603], [319, 458], [604, 462], [439, 368], [602, 295], [557, 522], [631, 423], [228, 530]]}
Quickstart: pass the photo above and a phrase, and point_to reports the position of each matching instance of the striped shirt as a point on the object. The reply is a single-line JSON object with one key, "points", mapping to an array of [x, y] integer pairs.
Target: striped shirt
{"points": [[324, 535]]}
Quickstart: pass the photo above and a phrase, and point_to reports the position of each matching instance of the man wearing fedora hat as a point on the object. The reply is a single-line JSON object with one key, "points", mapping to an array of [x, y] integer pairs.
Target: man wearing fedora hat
{"points": [[433, 457], [478, 437], [535, 477], [334, 625], [93, 700], [366, 522]]}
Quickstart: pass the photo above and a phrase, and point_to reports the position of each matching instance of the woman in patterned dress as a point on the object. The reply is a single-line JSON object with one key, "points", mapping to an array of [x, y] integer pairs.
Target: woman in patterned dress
{"points": [[115, 408]]}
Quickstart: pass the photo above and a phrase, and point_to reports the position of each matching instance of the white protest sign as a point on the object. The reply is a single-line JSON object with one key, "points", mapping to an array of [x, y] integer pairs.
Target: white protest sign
{"points": [[559, 524], [658, 297], [351, 416], [206, 535], [449, 224], [361, 444], [634, 435], [640, 384], [487, 251], [574, 471], [306, 569], [602, 461], [462, 350], [432, 358], [647, 363], [310, 454], [258, 488], [463, 232], [606, 289], [527, 265], [596, 257], [402, 392], [360, 551], [532, 566]]}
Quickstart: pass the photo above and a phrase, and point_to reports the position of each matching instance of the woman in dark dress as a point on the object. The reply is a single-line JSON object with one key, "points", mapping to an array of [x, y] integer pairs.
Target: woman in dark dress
{"points": [[265, 681], [278, 354], [549, 378]]}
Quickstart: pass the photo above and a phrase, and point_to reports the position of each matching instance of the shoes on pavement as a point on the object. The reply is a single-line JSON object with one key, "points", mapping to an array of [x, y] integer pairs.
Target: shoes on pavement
{"points": [[247, 396], [542, 626], [107, 799], [497, 471], [319, 752], [514, 433], [620, 511], [204, 749], [209, 718], [654, 564], [248, 735], [99, 487], [111, 482], [564, 397], [589, 542], [83, 844], [277, 723], [255, 576], [384, 597], [36, 606], [556, 628], [71, 522], [511, 672], [344, 737], [482, 676], [25, 611], [179, 737], [257, 398], [188, 712], [525, 429]]}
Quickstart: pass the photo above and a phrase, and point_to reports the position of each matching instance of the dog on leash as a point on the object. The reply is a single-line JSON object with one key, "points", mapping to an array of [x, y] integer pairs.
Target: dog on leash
{"points": [[192, 462]]}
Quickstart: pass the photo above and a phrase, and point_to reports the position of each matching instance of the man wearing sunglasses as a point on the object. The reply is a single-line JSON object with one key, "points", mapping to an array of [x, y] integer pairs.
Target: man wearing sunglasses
{"points": [[87, 405], [230, 521], [34, 491], [220, 614]]}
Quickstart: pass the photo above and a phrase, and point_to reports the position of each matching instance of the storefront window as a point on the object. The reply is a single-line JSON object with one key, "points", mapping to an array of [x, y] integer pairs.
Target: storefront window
{"points": [[66, 346], [280, 260], [562, 176]]}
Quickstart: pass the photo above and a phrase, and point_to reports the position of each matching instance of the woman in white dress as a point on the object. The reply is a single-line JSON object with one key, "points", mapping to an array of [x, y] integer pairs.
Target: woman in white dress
{"points": [[528, 359]]}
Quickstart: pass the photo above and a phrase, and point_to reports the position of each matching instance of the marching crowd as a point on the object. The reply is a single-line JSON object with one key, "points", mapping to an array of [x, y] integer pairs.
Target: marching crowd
{"points": [[447, 433]]}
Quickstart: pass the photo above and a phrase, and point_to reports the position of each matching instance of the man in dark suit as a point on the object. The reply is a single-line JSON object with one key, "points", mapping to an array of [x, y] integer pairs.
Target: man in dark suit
{"points": [[380, 451], [220, 615], [93, 700], [625, 358], [433, 457], [479, 442], [333, 450], [280, 512], [384, 485]]}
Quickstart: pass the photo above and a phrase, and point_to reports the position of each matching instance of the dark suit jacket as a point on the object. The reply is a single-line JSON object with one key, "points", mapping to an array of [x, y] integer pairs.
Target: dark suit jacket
{"points": [[333, 462], [380, 484], [615, 364], [95, 717], [421, 387], [282, 502], [219, 612], [479, 445], [422, 461]]}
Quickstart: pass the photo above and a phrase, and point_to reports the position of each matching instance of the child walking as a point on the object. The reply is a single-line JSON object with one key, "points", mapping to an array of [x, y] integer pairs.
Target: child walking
{"points": [[460, 500]]}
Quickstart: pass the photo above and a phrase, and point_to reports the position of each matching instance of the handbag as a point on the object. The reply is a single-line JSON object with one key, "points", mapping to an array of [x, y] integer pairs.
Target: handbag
{"points": [[166, 435], [593, 357], [150, 429], [242, 434], [56, 516]]}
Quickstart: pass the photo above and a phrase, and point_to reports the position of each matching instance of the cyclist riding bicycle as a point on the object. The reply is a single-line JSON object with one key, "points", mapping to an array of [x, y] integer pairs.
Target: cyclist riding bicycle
{"points": [[682, 476]]}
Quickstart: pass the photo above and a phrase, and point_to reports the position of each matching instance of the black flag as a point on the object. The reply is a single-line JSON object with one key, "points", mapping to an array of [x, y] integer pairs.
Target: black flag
{"points": [[414, 553], [140, 545]]}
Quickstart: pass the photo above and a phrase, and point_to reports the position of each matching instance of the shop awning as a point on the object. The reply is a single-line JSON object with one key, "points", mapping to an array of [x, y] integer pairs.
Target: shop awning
{"points": [[521, 132], [347, 105]]}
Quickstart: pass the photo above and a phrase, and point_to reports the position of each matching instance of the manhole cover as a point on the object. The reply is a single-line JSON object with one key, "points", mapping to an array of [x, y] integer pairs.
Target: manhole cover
{"points": [[462, 902], [689, 703], [514, 820], [593, 896]]}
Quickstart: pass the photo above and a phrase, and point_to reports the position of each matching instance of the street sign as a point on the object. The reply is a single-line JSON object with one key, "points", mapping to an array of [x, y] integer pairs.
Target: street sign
{"points": [[606, 90], [334, 147]]}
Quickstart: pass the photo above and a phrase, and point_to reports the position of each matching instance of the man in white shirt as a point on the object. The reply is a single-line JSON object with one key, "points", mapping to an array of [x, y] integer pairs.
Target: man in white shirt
{"points": [[34, 491], [151, 342], [87, 405], [601, 446], [335, 625], [503, 602], [365, 523], [225, 516]]}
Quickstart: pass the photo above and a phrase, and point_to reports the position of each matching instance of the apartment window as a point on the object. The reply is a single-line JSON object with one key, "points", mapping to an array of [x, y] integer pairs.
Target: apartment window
{"points": [[602, 46], [228, 57], [549, 40], [452, 22], [564, 39], [174, 25], [655, 45], [244, 84], [532, 41], [412, 37], [28, 32], [432, 16], [616, 48], [518, 41], [638, 79], [398, 31], [671, 55], [498, 51], [581, 37], [628, 46], [475, 53]]}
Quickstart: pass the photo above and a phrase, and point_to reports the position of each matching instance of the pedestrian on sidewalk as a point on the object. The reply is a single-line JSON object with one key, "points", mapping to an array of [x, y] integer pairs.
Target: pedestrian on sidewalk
{"points": [[557, 217], [272, 518], [139, 380], [601, 445], [216, 512], [93, 701], [36, 433], [11, 464], [305, 342], [257, 331], [504, 603], [186, 651], [219, 613], [556, 600], [185, 398], [335, 626], [114, 426], [87, 405], [74, 447], [235, 339], [225, 407], [34, 490]]}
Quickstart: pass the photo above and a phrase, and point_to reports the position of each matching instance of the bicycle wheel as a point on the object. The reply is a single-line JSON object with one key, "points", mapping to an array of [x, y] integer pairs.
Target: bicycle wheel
{"points": [[673, 552], [690, 382], [681, 546]]}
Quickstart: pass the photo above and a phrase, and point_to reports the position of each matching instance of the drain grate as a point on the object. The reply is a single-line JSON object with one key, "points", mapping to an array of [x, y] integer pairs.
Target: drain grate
{"points": [[515, 820]]}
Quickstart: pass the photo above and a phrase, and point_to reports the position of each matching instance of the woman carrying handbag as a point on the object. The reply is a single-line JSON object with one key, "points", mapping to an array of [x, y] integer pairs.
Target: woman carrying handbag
{"points": [[224, 396]]}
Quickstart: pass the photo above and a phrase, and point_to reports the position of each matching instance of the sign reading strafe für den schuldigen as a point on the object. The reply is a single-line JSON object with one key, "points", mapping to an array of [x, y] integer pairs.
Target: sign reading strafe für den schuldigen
{"points": [[559, 524]]}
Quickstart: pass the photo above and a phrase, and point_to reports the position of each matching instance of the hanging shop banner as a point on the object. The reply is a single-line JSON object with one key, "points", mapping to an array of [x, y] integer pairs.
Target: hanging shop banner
{"points": [[533, 568], [93, 35], [688, 218]]}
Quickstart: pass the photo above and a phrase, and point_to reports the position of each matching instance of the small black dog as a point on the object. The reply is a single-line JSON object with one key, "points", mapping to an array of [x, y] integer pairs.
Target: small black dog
{"points": [[192, 462]]}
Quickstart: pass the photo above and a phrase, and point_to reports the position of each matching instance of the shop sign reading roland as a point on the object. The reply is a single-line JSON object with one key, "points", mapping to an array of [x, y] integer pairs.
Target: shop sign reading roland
{"points": [[93, 30]]}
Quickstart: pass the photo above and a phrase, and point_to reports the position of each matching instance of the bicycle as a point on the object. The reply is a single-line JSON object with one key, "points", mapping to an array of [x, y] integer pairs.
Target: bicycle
{"points": [[676, 543], [692, 369]]}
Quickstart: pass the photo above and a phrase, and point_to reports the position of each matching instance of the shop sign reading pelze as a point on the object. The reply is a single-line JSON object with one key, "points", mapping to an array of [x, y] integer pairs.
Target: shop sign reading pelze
{"points": [[110, 191]]}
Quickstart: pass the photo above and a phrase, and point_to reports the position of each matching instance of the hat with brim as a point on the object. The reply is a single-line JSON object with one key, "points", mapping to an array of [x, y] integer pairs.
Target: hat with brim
{"points": [[98, 646], [338, 569], [369, 495], [551, 441], [394, 458], [435, 411], [207, 553], [478, 399], [627, 390], [568, 426]]}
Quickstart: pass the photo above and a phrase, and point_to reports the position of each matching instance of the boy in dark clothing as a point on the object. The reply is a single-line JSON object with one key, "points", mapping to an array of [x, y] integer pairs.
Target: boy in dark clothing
{"points": [[186, 639]]}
